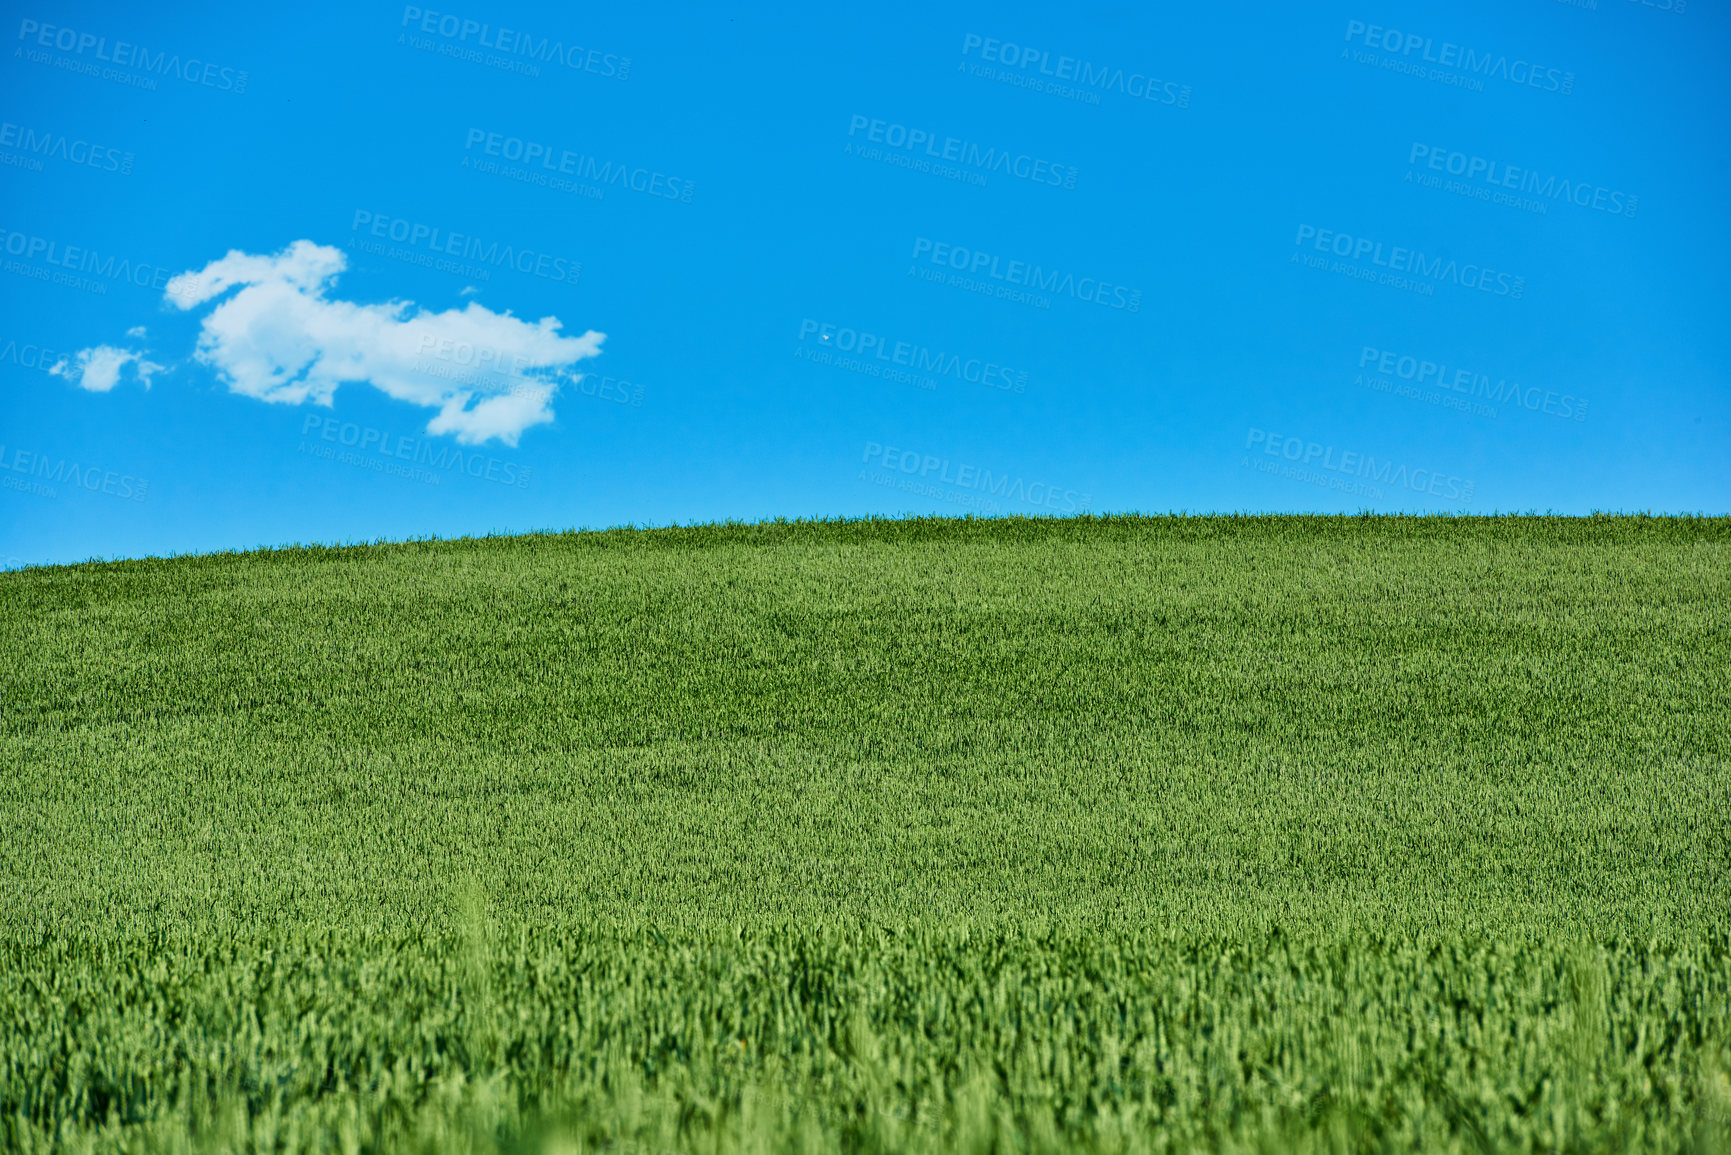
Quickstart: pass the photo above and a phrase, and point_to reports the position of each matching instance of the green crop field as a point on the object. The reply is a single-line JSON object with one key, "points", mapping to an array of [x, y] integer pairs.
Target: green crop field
{"points": [[1111, 834]]}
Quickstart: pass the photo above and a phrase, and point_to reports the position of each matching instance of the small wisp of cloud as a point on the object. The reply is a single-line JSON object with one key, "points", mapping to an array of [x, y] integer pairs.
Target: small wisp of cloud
{"points": [[98, 369]]}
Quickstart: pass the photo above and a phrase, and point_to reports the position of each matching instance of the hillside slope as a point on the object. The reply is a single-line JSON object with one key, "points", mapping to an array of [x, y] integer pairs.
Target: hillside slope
{"points": [[1222, 720], [584, 811]]}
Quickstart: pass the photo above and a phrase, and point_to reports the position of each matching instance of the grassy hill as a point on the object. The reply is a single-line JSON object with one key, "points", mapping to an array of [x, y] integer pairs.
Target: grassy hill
{"points": [[1136, 833]]}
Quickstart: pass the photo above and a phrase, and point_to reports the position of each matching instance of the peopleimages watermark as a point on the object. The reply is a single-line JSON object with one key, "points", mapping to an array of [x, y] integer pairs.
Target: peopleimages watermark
{"points": [[924, 150], [1350, 471], [1674, 7], [481, 366], [77, 266], [905, 362], [968, 485], [122, 55], [548, 166], [395, 455], [509, 49], [976, 270], [1399, 267], [1466, 390], [1511, 185], [34, 145], [1068, 77], [1457, 65], [30, 356], [27, 471], [450, 251]]}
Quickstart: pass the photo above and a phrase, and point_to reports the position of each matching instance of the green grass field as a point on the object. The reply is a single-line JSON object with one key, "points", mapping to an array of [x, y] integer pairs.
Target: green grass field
{"points": [[1114, 834]]}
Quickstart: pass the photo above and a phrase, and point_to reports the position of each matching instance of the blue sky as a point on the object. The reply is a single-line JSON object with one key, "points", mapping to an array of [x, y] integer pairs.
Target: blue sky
{"points": [[345, 272]]}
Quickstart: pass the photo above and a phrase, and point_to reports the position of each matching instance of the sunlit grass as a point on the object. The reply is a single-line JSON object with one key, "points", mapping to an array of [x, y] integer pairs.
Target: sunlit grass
{"points": [[1140, 834]]}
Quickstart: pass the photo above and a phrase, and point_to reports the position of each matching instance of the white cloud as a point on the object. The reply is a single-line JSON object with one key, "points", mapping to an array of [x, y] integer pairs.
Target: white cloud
{"points": [[98, 369], [282, 338]]}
